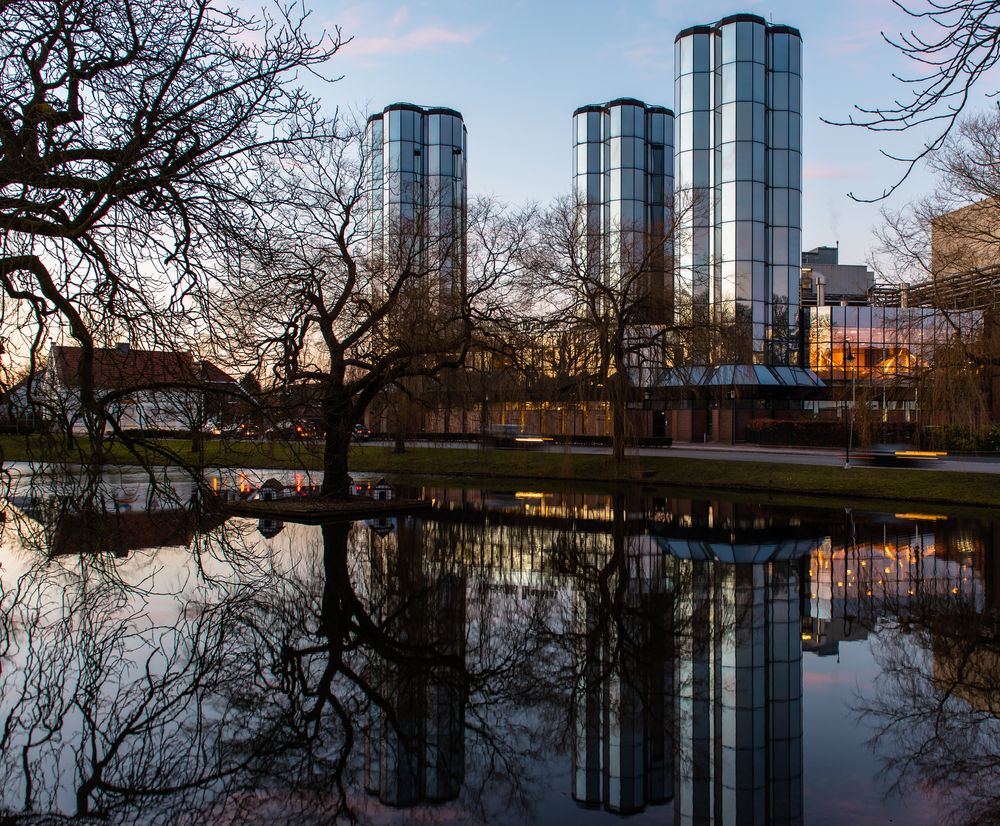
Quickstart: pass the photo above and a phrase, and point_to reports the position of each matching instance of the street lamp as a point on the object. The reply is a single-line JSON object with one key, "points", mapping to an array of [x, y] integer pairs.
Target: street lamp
{"points": [[849, 359]]}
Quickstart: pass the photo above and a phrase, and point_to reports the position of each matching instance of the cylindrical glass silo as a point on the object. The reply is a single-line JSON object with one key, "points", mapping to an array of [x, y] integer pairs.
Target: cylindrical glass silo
{"points": [[623, 187], [738, 171], [419, 188]]}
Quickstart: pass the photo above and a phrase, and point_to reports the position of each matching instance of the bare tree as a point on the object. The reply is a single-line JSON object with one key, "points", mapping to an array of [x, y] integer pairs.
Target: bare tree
{"points": [[327, 297], [134, 137], [941, 252], [954, 45], [617, 287]]}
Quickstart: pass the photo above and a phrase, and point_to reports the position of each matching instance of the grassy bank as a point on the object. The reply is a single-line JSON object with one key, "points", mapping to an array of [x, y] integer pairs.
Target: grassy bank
{"points": [[917, 486], [926, 486]]}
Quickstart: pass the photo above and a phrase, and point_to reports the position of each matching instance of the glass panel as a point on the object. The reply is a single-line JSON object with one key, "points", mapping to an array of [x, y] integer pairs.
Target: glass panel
{"points": [[702, 132], [744, 41], [702, 88], [594, 120], [616, 121], [593, 157], [780, 52], [795, 55], [728, 43], [744, 121], [729, 82], [744, 81], [759, 43], [779, 90], [759, 118], [685, 52]]}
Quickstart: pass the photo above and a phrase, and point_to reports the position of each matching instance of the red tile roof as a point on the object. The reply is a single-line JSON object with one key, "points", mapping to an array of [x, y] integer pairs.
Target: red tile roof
{"points": [[124, 368]]}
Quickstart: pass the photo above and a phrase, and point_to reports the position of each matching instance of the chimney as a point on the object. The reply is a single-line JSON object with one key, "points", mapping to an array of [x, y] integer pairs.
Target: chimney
{"points": [[123, 347], [820, 290]]}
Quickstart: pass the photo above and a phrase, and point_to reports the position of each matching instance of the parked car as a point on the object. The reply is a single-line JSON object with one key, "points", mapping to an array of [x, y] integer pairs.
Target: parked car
{"points": [[361, 433], [300, 429]]}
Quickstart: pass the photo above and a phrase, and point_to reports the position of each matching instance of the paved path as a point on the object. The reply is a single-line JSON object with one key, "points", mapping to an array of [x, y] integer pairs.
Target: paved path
{"points": [[819, 457]]}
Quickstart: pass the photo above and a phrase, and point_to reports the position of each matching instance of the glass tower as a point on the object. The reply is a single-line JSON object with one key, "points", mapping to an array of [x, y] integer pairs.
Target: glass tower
{"points": [[623, 185], [738, 168], [418, 190]]}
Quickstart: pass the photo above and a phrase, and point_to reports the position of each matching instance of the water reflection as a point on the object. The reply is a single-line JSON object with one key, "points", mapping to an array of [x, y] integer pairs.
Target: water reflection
{"points": [[502, 658]]}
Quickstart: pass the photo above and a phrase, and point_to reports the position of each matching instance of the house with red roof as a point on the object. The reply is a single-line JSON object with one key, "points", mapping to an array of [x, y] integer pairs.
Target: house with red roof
{"points": [[166, 390]]}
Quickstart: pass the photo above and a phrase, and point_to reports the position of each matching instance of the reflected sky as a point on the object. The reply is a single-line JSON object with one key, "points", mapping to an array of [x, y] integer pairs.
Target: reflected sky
{"points": [[508, 657]]}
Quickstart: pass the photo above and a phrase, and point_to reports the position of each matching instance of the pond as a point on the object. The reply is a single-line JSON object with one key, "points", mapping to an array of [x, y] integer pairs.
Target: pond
{"points": [[507, 656]]}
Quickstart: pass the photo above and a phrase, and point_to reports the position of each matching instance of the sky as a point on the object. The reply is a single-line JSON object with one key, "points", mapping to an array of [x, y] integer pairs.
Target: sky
{"points": [[517, 70]]}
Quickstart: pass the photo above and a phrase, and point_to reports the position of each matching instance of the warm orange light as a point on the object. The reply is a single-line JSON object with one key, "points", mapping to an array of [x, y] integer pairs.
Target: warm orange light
{"points": [[928, 517], [921, 454]]}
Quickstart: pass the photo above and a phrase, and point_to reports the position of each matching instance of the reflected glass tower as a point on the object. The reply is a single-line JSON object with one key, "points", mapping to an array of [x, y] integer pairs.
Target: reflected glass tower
{"points": [[417, 755], [738, 168], [623, 758], [739, 694], [623, 185], [418, 189]]}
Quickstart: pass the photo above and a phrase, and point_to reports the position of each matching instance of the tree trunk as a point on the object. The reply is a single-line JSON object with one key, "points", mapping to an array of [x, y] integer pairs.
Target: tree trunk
{"points": [[618, 399], [618, 431], [339, 427], [401, 417]]}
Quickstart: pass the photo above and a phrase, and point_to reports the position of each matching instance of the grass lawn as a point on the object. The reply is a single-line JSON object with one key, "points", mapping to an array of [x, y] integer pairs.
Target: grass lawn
{"points": [[901, 485], [890, 484]]}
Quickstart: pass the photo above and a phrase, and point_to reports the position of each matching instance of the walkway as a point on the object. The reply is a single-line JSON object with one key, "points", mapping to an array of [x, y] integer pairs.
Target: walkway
{"points": [[816, 456]]}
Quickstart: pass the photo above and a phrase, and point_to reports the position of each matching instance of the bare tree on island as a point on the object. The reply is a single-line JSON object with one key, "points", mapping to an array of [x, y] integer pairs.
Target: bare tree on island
{"points": [[133, 139], [329, 297]]}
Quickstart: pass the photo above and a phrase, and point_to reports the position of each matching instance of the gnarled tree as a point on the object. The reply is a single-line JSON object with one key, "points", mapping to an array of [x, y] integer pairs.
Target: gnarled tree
{"points": [[133, 138]]}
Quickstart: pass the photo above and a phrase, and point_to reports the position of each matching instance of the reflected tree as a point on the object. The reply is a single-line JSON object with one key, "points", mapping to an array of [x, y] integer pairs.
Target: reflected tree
{"points": [[935, 707]]}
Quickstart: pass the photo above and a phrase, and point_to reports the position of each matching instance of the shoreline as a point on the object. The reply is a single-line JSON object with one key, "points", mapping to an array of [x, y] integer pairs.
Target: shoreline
{"points": [[768, 478]]}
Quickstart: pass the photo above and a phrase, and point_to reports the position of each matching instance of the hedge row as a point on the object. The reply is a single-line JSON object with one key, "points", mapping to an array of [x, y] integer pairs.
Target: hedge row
{"points": [[821, 432], [827, 433]]}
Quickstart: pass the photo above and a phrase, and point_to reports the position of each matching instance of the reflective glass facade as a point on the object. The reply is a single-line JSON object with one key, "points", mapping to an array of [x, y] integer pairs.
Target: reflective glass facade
{"points": [[623, 185], [738, 169], [886, 344], [739, 693], [418, 165]]}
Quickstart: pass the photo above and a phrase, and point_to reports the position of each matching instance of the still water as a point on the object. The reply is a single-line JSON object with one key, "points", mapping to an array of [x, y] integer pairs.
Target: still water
{"points": [[506, 657]]}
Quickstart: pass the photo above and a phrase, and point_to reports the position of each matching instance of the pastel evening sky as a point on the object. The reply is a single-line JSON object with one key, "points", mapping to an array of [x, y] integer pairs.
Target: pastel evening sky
{"points": [[517, 70]]}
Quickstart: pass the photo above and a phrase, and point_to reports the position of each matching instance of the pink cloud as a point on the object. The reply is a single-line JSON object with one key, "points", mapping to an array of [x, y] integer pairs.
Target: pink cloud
{"points": [[422, 39], [826, 172], [399, 18]]}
